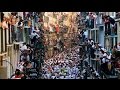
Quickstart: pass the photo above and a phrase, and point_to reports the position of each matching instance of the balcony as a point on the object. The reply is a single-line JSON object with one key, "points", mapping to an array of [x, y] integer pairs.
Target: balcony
{"points": [[90, 23], [109, 30], [99, 21]]}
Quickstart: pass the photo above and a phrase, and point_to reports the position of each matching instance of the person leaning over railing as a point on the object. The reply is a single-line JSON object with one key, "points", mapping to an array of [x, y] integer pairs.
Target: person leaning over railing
{"points": [[17, 74]]}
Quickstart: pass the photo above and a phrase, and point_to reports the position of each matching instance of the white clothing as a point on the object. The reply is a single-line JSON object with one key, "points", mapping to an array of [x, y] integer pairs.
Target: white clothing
{"points": [[67, 77], [34, 34], [104, 55], [92, 41], [20, 67], [93, 46], [86, 34], [37, 31], [104, 60], [61, 77], [118, 47], [53, 77], [83, 71], [21, 45], [23, 48], [109, 57], [48, 75], [87, 17]]}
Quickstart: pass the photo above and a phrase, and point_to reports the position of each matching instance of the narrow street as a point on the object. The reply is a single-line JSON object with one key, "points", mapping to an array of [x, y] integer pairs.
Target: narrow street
{"points": [[60, 45]]}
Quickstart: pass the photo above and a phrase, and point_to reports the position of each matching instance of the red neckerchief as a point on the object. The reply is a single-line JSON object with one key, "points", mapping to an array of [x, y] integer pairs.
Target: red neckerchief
{"points": [[17, 76]]}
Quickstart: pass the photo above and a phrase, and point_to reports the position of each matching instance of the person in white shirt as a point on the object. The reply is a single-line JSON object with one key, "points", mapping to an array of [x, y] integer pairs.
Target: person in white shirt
{"points": [[48, 75], [24, 47], [104, 57], [87, 17], [33, 37], [34, 34], [53, 77]]}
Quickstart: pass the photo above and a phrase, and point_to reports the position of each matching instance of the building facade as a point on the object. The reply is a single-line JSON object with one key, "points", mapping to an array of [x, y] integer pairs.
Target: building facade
{"points": [[7, 58], [15, 28], [111, 39]]}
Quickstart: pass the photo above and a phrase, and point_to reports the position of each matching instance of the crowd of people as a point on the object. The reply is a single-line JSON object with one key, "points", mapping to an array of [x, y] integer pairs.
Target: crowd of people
{"points": [[26, 57], [108, 60], [62, 66], [66, 65]]}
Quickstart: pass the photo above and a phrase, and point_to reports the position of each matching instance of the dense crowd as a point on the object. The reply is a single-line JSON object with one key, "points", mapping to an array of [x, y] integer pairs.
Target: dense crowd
{"points": [[66, 65], [107, 59], [26, 57], [62, 66]]}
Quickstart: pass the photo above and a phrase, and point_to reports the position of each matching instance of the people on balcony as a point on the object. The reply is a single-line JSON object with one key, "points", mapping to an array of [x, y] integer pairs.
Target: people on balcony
{"points": [[109, 22], [90, 20]]}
